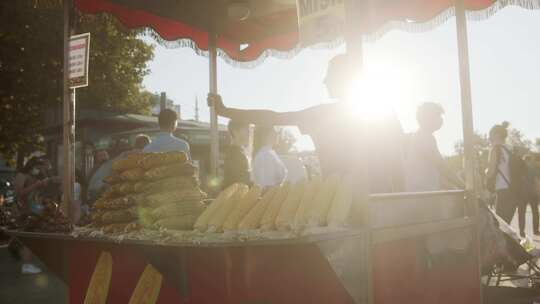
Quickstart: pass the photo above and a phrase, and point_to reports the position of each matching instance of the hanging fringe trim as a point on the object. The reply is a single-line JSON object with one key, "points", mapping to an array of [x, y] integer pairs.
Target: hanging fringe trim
{"points": [[411, 27]]}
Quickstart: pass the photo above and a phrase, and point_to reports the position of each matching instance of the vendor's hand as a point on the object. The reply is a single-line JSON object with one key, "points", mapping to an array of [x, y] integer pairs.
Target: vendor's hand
{"points": [[214, 100]]}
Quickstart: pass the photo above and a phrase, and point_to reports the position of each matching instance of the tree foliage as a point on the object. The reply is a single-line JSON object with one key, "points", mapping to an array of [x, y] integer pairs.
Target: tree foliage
{"points": [[31, 69]]}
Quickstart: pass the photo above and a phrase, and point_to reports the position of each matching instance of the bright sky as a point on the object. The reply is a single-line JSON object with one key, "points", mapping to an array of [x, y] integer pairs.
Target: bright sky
{"points": [[505, 72]]}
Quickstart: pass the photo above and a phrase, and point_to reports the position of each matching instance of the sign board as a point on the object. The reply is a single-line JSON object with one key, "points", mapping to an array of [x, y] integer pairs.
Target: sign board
{"points": [[320, 20], [79, 53]]}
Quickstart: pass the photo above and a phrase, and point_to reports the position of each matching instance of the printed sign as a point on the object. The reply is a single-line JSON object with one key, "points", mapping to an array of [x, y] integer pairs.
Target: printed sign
{"points": [[79, 53], [320, 20]]}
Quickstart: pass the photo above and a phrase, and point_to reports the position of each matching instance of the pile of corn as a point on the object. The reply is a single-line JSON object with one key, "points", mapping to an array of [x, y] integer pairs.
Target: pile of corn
{"points": [[295, 207], [150, 190]]}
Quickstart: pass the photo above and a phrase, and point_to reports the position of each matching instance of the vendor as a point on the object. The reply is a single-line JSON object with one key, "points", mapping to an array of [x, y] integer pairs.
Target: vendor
{"points": [[166, 141], [344, 143]]}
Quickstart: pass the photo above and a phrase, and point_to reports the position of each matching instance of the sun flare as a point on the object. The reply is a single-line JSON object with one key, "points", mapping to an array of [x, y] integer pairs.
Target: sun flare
{"points": [[377, 91]]}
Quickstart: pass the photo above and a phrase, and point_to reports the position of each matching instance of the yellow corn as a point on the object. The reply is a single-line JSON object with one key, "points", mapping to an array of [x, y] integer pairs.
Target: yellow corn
{"points": [[133, 175], [215, 224], [131, 161], [341, 204], [316, 215], [98, 289], [287, 213], [254, 216], [151, 160], [148, 287], [159, 199], [312, 187], [202, 221], [177, 209], [268, 221], [241, 208]]}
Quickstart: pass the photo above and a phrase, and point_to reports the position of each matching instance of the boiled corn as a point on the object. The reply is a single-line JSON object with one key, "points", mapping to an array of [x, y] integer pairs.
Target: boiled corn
{"points": [[202, 221], [287, 212], [241, 208], [253, 218], [268, 221]]}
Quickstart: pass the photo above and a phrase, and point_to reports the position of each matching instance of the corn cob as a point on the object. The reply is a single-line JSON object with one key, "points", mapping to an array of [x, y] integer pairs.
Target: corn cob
{"points": [[202, 221], [287, 212], [129, 162], [241, 208], [159, 199], [182, 222], [177, 209], [152, 160], [341, 204], [168, 184], [119, 216], [148, 287], [98, 289], [185, 169], [268, 221], [133, 175], [254, 216], [123, 188], [215, 224], [145, 218], [121, 227], [300, 219], [316, 215]]}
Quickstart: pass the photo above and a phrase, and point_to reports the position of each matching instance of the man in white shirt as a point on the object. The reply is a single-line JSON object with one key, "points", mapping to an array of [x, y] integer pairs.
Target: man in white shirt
{"points": [[165, 141], [267, 168], [424, 164]]}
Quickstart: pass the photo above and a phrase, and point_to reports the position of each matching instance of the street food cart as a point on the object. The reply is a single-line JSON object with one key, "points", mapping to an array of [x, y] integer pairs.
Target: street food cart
{"points": [[414, 248]]}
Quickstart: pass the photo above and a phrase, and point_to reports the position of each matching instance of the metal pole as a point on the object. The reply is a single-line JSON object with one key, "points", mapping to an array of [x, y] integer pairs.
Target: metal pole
{"points": [[468, 126], [214, 137], [466, 101], [68, 118]]}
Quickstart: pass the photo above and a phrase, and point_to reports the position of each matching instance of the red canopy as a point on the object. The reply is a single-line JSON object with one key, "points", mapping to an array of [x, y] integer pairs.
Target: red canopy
{"points": [[272, 24]]}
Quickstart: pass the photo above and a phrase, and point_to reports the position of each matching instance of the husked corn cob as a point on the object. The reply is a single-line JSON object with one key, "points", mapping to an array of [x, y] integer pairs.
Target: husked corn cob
{"points": [[185, 169], [159, 199], [253, 218], [148, 287], [98, 289], [133, 175], [287, 212], [268, 221], [119, 216], [312, 188], [177, 209], [341, 204], [169, 184], [123, 188], [215, 224], [157, 159], [241, 208], [202, 221], [146, 219], [316, 215], [131, 161], [182, 222]]}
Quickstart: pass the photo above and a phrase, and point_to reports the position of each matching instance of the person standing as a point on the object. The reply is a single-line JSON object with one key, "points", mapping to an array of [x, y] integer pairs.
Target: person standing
{"points": [[502, 175], [533, 186], [165, 141], [268, 169], [425, 167], [236, 162]]}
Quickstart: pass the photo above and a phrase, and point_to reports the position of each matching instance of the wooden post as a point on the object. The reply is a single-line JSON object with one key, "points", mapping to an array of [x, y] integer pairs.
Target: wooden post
{"points": [[214, 135], [163, 101], [468, 125], [466, 104], [68, 118]]}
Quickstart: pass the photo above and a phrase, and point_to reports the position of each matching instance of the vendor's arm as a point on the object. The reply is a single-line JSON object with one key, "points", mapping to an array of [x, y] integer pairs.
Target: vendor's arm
{"points": [[492, 163], [257, 116], [21, 190]]}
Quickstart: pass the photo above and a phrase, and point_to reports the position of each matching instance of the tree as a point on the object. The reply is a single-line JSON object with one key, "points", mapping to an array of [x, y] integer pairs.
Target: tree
{"points": [[31, 70]]}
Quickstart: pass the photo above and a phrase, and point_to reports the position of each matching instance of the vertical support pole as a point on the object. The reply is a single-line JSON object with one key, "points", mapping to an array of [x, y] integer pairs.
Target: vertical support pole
{"points": [[468, 126], [466, 103], [68, 118], [163, 101], [214, 136]]}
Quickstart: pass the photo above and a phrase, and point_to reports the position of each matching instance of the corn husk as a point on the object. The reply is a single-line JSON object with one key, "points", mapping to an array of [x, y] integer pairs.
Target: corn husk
{"points": [[341, 204], [98, 289], [148, 287], [241, 208], [253, 217], [312, 188], [215, 224], [202, 222], [268, 221], [287, 212]]}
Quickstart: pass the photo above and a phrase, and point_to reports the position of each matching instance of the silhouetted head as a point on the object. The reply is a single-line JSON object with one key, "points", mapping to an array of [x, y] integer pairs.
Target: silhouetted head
{"points": [[167, 120], [429, 116]]}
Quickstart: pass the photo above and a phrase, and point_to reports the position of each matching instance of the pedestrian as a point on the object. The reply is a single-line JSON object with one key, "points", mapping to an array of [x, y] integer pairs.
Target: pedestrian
{"points": [[425, 168], [101, 156], [533, 187], [165, 141], [236, 162], [506, 175], [268, 169], [141, 141]]}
